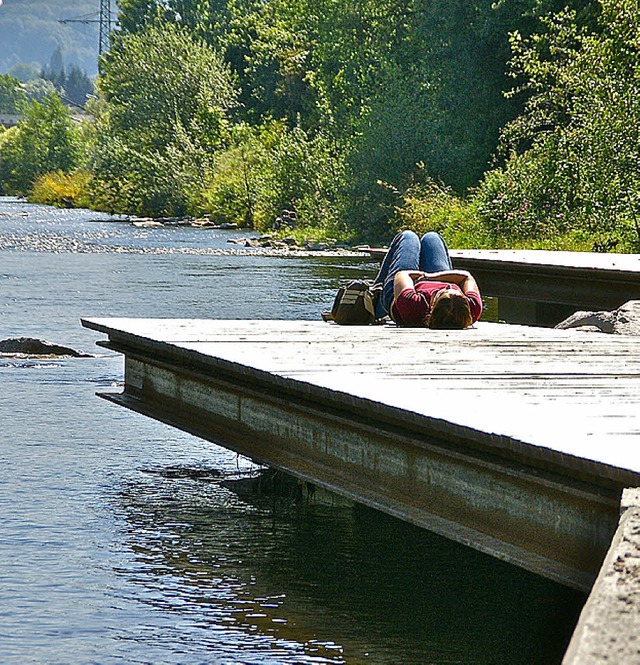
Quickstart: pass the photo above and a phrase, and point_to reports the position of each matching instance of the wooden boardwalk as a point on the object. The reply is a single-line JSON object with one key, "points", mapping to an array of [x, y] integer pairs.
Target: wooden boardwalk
{"points": [[512, 439], [542, 287]]}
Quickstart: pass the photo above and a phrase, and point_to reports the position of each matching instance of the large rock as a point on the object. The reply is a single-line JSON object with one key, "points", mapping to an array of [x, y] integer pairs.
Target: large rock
{"points": [[32, 346], [622, 321]]}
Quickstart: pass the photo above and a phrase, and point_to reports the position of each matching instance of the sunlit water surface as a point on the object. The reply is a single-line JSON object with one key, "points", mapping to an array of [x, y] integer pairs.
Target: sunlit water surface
{"points": [[120, 541]]}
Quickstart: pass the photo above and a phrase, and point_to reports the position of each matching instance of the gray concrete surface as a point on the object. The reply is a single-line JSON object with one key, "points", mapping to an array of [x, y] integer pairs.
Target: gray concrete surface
{"points": [[608, 631], [498, 436]]}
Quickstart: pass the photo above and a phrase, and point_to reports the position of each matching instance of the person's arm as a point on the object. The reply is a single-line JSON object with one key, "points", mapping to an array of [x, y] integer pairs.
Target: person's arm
{"points": [[411, 308], [451, 276], [405, 279], [462, 278], [469, 284]]}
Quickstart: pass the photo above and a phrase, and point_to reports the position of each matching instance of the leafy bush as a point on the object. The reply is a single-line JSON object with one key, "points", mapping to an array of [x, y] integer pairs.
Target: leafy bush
{"points": [[270, 169], [61, 189], [573, 169], [524, 201], [304, 174], [138, 182], [45, 140], [231, 195], [12, 96], [429, 206]]}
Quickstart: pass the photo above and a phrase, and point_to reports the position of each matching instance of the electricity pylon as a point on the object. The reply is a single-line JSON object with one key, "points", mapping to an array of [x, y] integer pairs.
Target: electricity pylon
{"points": [[104, 21], [105, 26]]}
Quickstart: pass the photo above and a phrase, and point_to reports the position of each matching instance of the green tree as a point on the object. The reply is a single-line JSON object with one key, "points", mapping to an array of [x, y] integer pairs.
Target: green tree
{"points": [[389, 93], [164, 118], [12, 96], [574, 162], [177, 80], [207, 19], [45, 140], [272, 168], [78, 86], [39, 89], [55, 71], [24, 71], [136, 15], [396, 84]]}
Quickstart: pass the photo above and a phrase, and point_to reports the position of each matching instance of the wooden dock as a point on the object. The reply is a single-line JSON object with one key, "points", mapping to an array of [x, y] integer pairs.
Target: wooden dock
{"points": [[542, 288], [515, 440]]}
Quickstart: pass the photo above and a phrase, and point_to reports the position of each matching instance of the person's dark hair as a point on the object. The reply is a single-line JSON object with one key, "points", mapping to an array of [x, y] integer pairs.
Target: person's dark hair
{"points": [[450, 312]]}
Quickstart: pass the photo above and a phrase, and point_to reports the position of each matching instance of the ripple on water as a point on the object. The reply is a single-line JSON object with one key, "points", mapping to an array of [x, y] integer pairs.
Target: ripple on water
{"points": [[121, 540]]}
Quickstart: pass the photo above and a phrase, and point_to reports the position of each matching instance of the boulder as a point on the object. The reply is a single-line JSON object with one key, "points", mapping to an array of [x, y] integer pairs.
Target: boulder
{"points": [[32, 346], [622, 321]]}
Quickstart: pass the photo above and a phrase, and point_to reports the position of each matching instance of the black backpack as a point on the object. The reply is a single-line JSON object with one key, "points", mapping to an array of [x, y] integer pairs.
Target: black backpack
{"points": [[355, 303]]}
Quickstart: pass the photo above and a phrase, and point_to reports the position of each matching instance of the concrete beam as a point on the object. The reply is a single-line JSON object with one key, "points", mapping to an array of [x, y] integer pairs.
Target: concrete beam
{"points": [[532, 518], [516, 441], [608, 631], [577, 279]]}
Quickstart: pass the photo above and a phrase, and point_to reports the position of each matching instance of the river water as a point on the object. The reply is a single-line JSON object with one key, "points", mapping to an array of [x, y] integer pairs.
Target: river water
{"points": [[120, 542]]}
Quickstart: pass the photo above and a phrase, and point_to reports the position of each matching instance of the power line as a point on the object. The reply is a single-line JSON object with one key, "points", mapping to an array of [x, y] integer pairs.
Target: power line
{"points": [[102, 18]]}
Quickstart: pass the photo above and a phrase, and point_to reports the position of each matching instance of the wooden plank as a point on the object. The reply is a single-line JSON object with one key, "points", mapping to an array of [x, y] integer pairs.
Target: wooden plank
{"points": [[538, 258], [610, 262]]}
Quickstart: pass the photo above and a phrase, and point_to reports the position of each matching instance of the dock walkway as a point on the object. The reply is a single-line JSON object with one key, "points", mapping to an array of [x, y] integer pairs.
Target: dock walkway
{"points": [[515, 440], [542, 287]]}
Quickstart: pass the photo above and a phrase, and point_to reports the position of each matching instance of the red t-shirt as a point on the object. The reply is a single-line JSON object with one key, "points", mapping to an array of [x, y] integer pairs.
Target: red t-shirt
{"points": [[413, 304]]}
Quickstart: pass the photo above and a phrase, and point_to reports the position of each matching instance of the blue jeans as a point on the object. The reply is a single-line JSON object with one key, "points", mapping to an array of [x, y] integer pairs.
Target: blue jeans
{"points": [[407, 252]]}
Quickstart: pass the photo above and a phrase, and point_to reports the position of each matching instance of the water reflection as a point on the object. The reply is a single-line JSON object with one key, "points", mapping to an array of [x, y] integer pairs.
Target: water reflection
{"points": [[332, 583]]}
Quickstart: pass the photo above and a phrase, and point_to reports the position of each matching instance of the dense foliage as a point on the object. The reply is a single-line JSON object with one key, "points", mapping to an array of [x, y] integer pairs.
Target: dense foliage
{"points": [[12, 96], [162, 121], [366, 116], [46, 140], [363, 92], [74, 85], [573, 164]]}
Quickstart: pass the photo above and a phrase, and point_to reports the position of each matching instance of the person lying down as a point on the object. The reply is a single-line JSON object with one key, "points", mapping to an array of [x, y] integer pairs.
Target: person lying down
{"points": [[421, 288]]}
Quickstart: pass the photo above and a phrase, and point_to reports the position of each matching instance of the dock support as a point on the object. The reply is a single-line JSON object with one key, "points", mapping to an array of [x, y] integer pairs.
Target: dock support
{"points": [[536, 287], [556, 528], [608, 631], [497, 437]]}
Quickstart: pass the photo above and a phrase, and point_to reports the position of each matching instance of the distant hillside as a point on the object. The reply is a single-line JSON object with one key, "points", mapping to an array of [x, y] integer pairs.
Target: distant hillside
{"points": [[30, 32]]}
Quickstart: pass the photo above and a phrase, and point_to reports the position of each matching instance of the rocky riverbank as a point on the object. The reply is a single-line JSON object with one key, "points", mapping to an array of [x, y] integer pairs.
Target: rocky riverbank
{"points": [[89, 243], [269, 243]]}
